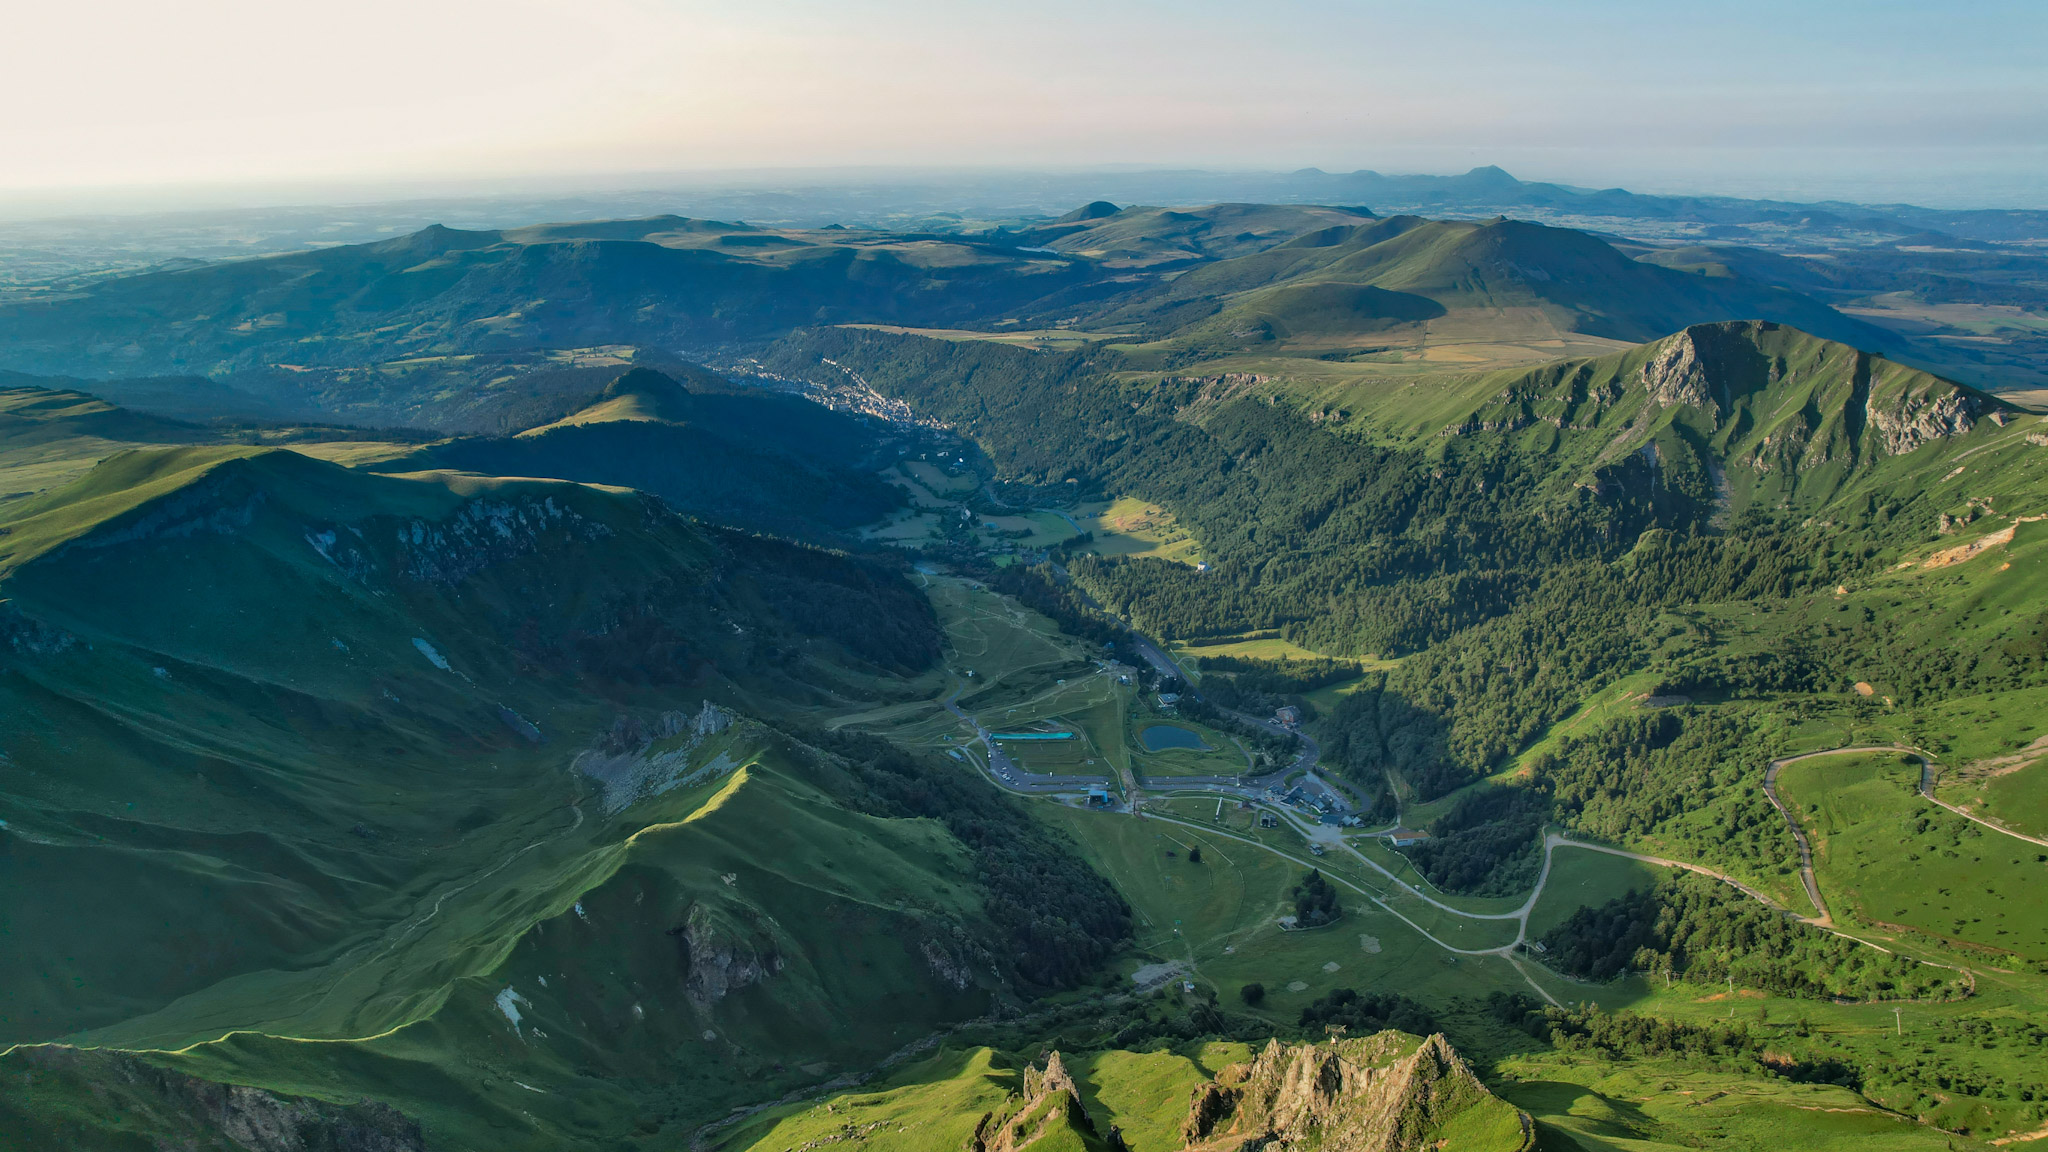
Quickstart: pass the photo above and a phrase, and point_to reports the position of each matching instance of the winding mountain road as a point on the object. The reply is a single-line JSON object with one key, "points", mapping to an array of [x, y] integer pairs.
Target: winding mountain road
{"points": [[1806, 875]]}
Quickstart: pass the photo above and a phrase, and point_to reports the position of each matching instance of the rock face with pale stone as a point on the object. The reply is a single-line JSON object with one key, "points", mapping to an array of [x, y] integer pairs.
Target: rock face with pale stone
{"points": [[1382, 1093]]}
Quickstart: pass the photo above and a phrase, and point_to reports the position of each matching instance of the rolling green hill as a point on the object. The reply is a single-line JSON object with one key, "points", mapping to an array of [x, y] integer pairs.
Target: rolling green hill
{"points": [[1565, 280], [442, 291], [1141, 237], [733, 456]]}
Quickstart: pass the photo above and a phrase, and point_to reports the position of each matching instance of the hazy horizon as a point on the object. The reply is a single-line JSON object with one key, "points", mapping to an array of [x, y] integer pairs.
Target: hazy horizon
{"points": [[234, 103]]}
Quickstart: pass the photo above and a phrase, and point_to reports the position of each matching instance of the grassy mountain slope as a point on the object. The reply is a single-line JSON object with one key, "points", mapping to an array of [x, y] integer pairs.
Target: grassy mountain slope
{"points": [[734, 456], [1141, 237], [48, 437], [422, 767], [1568, 280], [1386, 1092], [441, 291]]}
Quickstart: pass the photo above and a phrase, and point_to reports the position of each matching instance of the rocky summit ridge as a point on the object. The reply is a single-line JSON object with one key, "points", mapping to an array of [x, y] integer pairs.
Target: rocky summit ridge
{"points": [[1381, 1093]]}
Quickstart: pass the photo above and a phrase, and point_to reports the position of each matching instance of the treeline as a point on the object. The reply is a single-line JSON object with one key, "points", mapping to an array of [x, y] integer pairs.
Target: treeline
{"points": [[1696, 928], [1691, 776], [1260, 687], [1058, 919], [1490, 843], [1626, 1035], [1039, 588], [1366, 1012]]}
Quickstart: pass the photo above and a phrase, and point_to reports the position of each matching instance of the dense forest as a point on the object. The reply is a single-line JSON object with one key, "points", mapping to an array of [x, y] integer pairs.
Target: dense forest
{"points": [[1515, 596], [1490, 843]]}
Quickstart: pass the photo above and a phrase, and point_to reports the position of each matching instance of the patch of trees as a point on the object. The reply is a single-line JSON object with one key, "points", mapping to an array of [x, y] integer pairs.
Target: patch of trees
{"points": [[1315, 901], [862, 603], [1696, 928], [1490, 843], [1282, 676], [1688, 775], [1263, 686], [1364, 1012], [1058, 920]]}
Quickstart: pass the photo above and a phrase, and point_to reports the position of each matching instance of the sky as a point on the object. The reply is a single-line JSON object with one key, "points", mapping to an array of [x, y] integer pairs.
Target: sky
{"points": [[1860, 99]]}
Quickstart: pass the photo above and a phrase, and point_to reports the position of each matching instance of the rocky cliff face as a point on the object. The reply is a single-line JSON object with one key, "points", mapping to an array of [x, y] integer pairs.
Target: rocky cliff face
{"points": [[71, 1098], [719, 958], [1679, 374], [1374, 1094], [1912, 419]]}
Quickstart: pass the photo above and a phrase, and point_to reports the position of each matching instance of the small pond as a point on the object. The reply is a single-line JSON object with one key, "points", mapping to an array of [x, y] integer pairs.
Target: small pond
{"points": [[1160, 737]]}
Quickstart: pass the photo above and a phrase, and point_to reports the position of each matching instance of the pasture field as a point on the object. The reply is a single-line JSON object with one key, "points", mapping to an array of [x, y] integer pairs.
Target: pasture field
{"points": [[2019, 798], [1896, 862], [1046, 528], [1128, 526], [1256, 647], [1220, 918], [938, 481], [1666, 1105], [1580, 878]]}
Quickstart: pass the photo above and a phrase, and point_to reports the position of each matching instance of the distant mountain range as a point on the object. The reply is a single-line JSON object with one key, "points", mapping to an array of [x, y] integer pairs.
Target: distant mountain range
{"points": [[1253, 273]]}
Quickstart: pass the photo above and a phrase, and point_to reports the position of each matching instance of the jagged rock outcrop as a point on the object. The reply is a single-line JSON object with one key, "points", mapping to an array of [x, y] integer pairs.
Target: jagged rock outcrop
{"points": [[1049, 1104], [1679, 374], [1911, 420], [718, 959], [637, 760], [487, 531], [99, 1098], [1380, 1093]]}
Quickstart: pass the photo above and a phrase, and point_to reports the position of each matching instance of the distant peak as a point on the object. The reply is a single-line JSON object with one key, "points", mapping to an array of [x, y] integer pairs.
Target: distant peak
{"points": [[439, 238], [1490, 177], [641, 382], [1093, 211]]}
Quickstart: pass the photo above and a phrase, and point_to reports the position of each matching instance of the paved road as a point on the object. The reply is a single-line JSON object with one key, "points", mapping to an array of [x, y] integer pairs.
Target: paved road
{"points": [[1927, 790], [1806, 875], [1820, 908]]}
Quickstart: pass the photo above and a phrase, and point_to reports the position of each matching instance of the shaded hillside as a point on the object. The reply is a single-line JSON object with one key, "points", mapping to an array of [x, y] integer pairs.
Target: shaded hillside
{"points": [[442, 291], [1577, 282], [196, 638], [480, 779], [50, 436], [770, 462], [1140, 237], [102, 1099]]}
